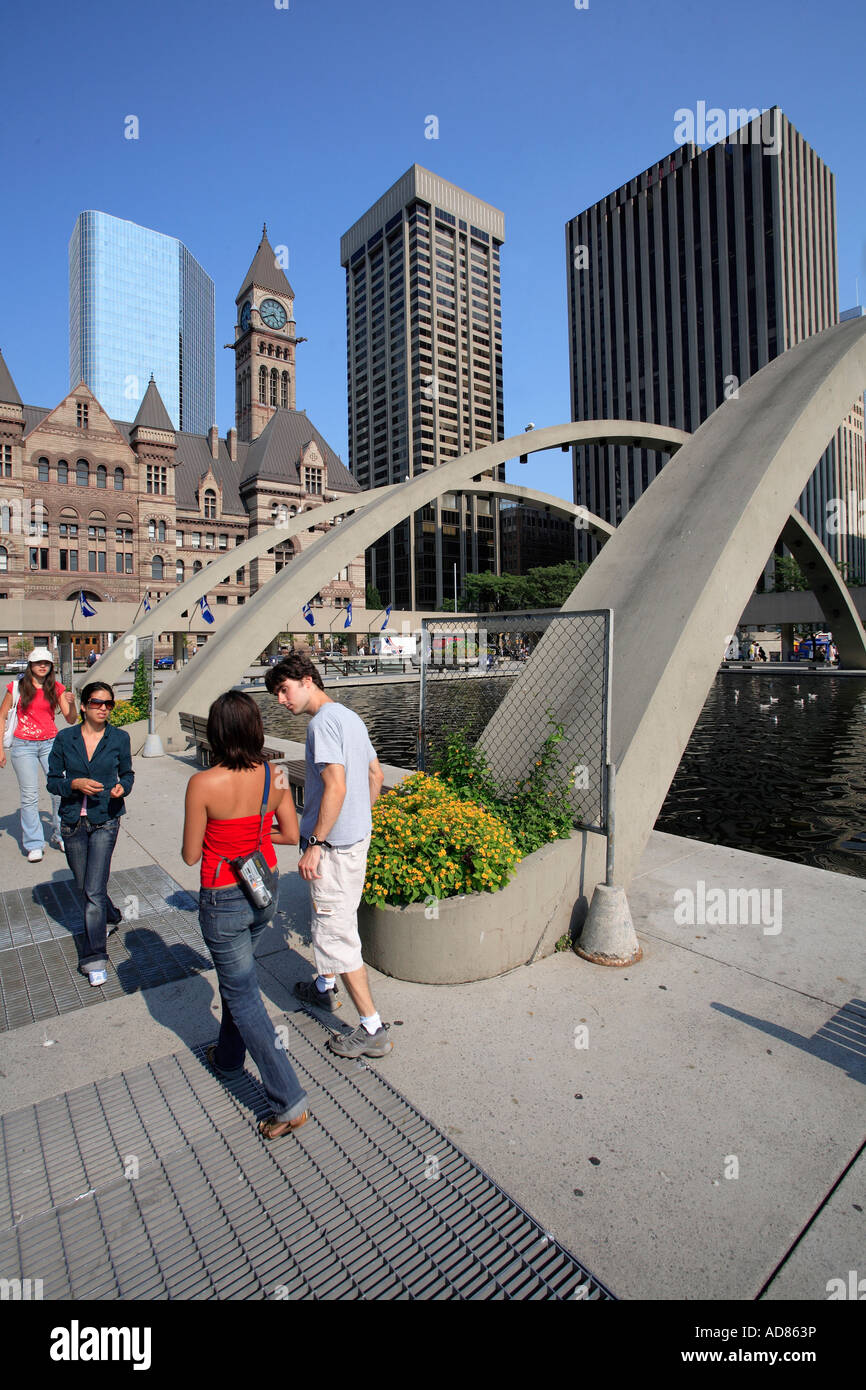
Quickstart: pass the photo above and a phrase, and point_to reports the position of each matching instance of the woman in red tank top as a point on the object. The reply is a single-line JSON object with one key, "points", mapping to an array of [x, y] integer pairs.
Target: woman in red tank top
{"points": [[230, 809]]}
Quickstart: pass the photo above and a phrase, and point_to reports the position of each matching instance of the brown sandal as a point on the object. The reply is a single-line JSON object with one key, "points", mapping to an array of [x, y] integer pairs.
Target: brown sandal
{"points": [[272, 1128]]}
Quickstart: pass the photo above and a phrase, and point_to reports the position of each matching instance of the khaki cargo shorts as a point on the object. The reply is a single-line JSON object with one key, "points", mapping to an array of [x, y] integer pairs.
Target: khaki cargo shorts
{"points": [[334, 899]]}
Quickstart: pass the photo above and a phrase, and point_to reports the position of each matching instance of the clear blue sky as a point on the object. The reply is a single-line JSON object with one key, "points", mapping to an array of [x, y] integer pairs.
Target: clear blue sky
{"points": [[302, 117]]}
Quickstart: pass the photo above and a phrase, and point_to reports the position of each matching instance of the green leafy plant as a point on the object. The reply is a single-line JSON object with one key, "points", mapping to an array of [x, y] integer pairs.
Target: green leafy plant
{"points": [[428, 843], [140, 696], [539, 808]]}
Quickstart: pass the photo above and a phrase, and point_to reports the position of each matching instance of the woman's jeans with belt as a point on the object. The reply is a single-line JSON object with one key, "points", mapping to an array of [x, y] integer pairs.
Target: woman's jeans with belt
{"points": [[27, 755], [231, 926], [88, 853]]}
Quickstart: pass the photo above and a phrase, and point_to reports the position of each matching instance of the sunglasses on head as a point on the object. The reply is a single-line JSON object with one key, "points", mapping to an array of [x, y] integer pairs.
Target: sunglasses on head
{"points": [[101, 704]]}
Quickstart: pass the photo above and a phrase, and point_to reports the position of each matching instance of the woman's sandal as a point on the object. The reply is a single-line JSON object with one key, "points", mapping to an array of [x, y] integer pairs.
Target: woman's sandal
{"points": [[272, 1128]]}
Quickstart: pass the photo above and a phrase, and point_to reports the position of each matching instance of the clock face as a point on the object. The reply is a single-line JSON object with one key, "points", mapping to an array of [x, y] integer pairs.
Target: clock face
{"points": [[273, 313], [245, 317]]}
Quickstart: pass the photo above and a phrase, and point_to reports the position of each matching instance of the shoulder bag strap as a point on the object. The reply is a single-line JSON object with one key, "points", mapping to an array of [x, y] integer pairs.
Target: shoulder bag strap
{"points": [[265, 796], [224, 859]]}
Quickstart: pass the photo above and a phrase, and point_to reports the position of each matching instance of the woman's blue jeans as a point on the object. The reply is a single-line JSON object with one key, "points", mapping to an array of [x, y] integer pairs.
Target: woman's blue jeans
{"points": [[88, 853], [27, 756], [231, 926]]}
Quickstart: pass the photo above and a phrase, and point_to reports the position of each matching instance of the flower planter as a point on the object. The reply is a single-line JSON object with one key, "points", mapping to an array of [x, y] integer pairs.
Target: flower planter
{"points": [[483, 934]]}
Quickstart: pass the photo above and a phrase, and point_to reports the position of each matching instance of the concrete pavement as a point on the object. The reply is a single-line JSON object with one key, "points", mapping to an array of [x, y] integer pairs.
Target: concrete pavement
{"points": [[692, 1127]]}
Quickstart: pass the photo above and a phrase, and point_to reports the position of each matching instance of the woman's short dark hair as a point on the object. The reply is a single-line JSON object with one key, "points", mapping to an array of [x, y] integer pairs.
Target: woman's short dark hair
{"points": [[292, 668], [235, 731], [91, 689]]}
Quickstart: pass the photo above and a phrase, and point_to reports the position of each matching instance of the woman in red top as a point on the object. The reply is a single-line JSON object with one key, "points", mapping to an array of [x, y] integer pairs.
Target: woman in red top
{"points": [[224, 821], [39, 697]]}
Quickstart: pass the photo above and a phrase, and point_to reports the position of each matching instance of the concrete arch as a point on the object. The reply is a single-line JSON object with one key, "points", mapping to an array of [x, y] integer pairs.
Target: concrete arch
{"points": [[829, 589], [680, 568], [278, 603], [167, 615]]}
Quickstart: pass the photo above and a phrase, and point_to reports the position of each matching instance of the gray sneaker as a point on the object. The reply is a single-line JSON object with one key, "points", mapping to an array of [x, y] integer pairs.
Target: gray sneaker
{"points": [[309, 993], [361, 1043]]}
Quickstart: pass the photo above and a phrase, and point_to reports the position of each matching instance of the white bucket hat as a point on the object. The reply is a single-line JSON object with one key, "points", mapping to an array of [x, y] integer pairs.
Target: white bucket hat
{"points": [[40, 654]]}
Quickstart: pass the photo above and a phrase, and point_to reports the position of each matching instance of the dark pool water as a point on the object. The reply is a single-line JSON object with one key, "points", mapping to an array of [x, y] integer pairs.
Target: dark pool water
{"points": [[788, 780]]}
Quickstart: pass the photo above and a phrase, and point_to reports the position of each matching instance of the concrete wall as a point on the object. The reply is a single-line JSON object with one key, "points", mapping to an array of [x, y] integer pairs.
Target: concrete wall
{"points": [[484, 934]]}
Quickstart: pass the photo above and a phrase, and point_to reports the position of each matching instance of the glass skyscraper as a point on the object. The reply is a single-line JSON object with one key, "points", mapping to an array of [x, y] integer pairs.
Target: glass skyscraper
{"points": [[140, 303]]}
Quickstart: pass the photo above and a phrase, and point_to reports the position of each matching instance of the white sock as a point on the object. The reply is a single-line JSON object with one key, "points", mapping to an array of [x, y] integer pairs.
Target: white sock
{"points": [[325, 982], [372, 1024]]}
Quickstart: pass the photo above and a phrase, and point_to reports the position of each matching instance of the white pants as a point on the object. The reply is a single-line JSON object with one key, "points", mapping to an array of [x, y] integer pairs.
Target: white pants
{"points": [[334, 899]]}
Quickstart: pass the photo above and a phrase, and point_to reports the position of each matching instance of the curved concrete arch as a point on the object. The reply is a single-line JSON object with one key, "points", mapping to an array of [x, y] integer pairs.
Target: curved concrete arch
{"points": [[829, 589], [681, 566], [278, 603], [166, 615]]}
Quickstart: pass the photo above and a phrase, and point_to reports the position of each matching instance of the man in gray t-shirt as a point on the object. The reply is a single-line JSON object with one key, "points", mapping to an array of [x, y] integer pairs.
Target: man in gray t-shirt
{"points": [[343, 780]]}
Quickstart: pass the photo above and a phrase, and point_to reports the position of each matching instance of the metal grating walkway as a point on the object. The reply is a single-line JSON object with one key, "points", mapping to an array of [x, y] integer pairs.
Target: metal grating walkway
{"points": [[155, 1185], [39, 978]]}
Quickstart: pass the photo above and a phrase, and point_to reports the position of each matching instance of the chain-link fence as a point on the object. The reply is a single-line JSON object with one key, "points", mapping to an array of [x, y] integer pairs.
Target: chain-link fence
{"points": [[500, 681]]}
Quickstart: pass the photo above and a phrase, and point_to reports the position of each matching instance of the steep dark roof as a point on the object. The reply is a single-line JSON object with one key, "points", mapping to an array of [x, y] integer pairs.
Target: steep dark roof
{"points": [[8, 392], [276, 454], [152, 413], [265, 272], [193, 461]]}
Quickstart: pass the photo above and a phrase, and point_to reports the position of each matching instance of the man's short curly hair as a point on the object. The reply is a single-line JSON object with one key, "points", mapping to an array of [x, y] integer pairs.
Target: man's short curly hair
{"points": [[292, 668]]}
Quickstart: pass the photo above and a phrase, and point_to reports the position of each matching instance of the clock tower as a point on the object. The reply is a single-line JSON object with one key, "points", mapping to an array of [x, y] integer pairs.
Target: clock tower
{"points": [[264, 344]]}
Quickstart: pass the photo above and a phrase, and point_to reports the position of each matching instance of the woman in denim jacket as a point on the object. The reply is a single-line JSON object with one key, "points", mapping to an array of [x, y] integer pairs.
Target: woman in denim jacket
{"points": [[90, 769]]}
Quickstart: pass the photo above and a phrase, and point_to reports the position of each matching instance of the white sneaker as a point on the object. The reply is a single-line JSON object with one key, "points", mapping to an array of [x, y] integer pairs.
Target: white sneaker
{"points": [[97, 977], [34, 856]]}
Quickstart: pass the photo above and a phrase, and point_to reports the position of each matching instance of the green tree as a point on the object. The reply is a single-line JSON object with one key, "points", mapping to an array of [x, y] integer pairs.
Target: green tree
{"points": [[788, 575], [140, 696], [374, 598]]}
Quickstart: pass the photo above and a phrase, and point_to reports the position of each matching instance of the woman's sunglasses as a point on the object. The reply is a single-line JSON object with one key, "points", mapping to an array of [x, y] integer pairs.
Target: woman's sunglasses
{"points": [[101, 704]]}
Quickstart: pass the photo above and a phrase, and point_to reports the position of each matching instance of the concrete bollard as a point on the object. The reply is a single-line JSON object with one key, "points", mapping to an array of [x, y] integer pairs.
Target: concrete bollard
{"points": [[608, 936]]}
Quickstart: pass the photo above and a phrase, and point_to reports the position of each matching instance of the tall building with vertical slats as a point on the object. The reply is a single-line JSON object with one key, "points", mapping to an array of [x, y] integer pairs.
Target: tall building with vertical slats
{"points": [[424, 340], [683, 283]]}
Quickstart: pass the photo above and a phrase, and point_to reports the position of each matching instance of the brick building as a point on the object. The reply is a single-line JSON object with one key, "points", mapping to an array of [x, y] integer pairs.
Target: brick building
{"points": [[121, 509]]}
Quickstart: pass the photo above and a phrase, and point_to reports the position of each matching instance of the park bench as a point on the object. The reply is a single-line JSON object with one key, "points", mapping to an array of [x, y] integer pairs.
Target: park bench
{"points": [[195, 728]]}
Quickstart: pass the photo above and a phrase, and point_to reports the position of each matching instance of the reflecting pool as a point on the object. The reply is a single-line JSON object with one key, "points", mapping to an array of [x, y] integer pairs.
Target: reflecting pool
{"points": [[776, 764]]}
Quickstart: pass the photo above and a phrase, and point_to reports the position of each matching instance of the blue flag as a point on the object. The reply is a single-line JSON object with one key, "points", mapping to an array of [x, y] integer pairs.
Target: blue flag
{"points": [[387, 616], [147, 602], [307, 614], [87, 609], [205, 610], [348, 622]]}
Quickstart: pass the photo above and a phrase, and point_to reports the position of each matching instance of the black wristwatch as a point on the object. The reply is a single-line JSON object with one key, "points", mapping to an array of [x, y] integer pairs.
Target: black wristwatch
{"points": [[313, 840]]}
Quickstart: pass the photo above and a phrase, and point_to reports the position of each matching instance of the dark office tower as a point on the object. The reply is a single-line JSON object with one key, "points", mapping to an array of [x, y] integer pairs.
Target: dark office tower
{"points": [[424, 324], [687, 280]]}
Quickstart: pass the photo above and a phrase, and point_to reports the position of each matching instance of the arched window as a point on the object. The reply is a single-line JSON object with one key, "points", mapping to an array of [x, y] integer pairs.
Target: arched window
{"points": [[197, 566], [180, 572], [62, 471], [263, 385], [102, 476], [4, 559], [42, 473], [118, 480], [160, 530], [82, 473], [283, 555], [210, 505], [275, 376], [5, 517], [157, 567], [284, 391]]}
